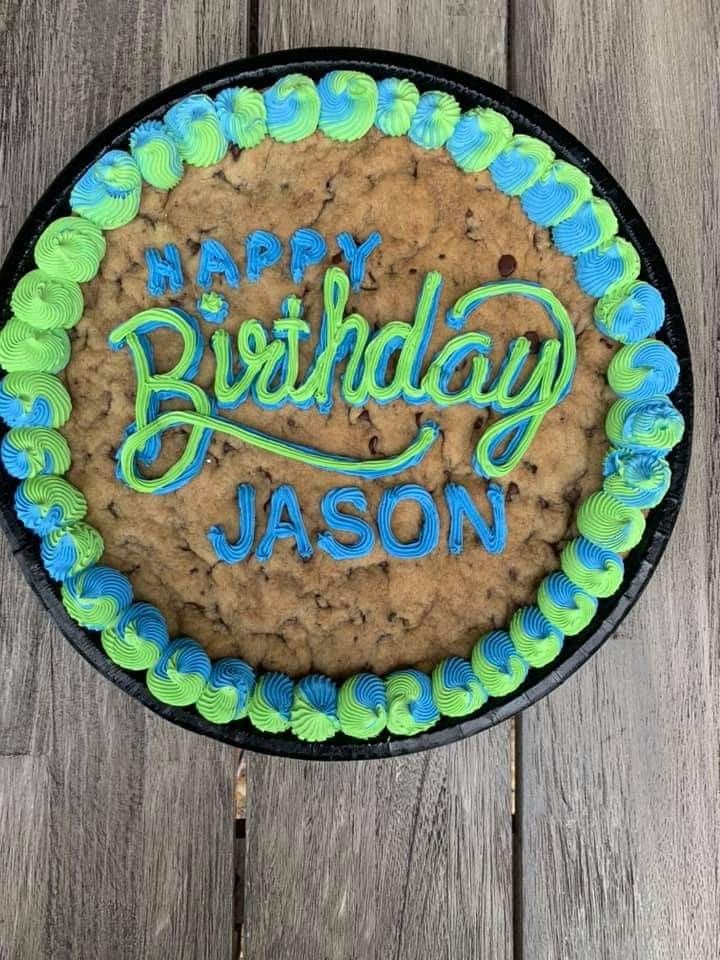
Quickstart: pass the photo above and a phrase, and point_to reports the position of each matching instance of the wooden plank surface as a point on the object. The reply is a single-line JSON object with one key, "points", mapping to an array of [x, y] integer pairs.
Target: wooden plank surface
{"points": [[619, 792], [411, 857], [116, 828]]}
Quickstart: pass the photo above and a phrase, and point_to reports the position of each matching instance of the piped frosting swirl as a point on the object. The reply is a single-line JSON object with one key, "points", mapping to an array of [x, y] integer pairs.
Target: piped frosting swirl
{"points": [[108, 194], [138, 639], [32, 451], [313, 715], [348, 104], [157, 155], [434, 119], [456, 690], [479, 136], [226, 695], [68, 550], [292, 106], [362, 706], [70, 248], [242, 116], [195, 127], [397, 101], [33, 400], [180, 674], [497, 664]]}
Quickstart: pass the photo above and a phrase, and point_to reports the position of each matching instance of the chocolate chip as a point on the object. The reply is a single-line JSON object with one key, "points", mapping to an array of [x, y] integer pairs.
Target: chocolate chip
{"points": [[336, 258], [573, 495], [373, 444], [542, 503], [532, 467], [364, 415], [534, 339], [113, 510], [192, 245], [590, 432], [481, 420], [412, 271], [506, 265], [512, 574], [512, 492], [227, 448], [234, 151], [418, 418], [291, 422]]}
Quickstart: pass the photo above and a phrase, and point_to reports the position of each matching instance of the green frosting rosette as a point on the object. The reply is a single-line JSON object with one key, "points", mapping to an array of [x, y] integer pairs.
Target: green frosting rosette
{"points": [[70, 248], [397, 102], [292, 107], [69, 549], [313, 715], [271, 702], [46, 302], [605, 521], [33, 400], [597, 570], [180, 675], [535, 637], [32, 451], [195, 127], [47, 503], [456, 690], [108, 194], [521, 164], [27, 349], [650, 424], [564, 604], [497, 664], [157, 154], [242, 116], [411, 708], [478, 138], [348, 104], [434, 119], [97, 596], [227, 693], [643, 369], [362, 706], [138, 639]]}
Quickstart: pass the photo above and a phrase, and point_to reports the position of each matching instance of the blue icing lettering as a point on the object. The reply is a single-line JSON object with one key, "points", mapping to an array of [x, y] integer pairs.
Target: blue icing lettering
{"points": [[262, 250], [461, 507], [345, 523], [429, 532], [307, 248], [357, 256], [165, 271], [240, 550], [216, 261], [284, 501]]}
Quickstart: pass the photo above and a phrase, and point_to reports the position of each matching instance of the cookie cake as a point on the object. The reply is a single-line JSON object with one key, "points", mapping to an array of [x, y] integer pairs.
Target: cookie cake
{"points": [[335, 407]]}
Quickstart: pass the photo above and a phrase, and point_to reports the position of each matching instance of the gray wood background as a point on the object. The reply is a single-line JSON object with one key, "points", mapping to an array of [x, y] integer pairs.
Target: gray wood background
{"points": [[590, 828]]}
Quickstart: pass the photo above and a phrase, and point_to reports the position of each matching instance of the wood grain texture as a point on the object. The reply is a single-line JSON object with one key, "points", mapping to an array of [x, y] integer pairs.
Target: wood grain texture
{"points": [[400, 859], [619, 789], [411, 857], [118, 827], [470, 34]]}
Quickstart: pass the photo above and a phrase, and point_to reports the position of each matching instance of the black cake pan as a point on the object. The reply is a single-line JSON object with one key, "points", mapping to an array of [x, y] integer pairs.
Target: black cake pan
{"points": [[470, 91]]}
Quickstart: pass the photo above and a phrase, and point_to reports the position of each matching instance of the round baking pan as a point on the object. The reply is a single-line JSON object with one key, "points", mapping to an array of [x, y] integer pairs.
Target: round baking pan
{"points": [[470, 91]]}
